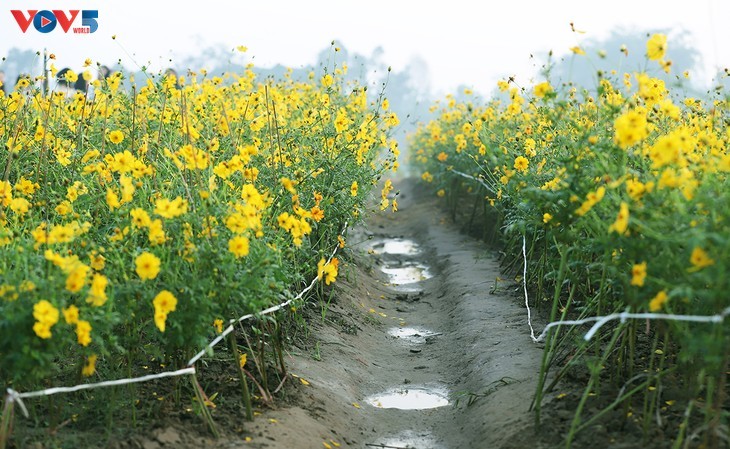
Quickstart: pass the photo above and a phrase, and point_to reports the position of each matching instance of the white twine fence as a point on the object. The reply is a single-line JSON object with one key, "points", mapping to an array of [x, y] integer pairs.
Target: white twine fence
{"points": [[480, 181], [17, 397], [599, 321]]}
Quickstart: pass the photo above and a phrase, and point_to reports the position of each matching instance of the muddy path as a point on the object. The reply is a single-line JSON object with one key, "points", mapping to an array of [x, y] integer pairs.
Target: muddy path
{"points": [[419, 348]]}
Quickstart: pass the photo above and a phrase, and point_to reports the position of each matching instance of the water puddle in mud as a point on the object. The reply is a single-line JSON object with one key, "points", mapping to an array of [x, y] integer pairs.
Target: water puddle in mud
{"points": [[408, 440], [407, 274], [412, 334], [396, 246], [411, 398]]}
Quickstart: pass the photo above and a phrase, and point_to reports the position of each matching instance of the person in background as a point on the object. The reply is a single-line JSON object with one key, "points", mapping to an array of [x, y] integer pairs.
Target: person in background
{"points": [[23, 83], [62, 84], [81, 85], [172, 73], [2, 82], [104, 73]]}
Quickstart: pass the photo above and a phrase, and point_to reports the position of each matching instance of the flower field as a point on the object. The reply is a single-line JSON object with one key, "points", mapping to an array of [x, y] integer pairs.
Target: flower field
{"points": [[620, 191], [135, 224], [139, 219]]}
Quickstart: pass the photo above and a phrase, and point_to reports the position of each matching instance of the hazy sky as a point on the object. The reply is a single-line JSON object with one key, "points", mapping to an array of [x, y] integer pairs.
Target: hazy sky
{"points": [[463, 42]]}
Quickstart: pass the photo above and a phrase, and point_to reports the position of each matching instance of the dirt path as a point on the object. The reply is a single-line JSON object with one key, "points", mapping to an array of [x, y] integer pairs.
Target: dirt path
{"points": [[470, 345]]}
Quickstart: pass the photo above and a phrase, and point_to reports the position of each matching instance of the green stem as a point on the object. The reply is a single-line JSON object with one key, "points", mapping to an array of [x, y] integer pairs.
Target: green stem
{"points": [[203, 406], [245, 393], [6, 422], [595, 373], [551, 337]]}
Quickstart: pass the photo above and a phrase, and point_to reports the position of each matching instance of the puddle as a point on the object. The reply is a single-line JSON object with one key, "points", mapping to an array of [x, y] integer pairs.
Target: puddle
{"points": [[409, 440], [401, 247], [408, 274], [410, 398], [411, 334]]}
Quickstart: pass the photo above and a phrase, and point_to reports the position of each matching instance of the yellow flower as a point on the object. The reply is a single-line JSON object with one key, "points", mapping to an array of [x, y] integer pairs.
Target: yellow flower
{"points": [[665, 150], [156, 234], [46, 315], [317, 213], [656, 47], [392, 119], [546, 217], [97, 294], [521, 163], [71, 314], [171, 209], [116, 137], [122, 162], [341, 241], [542, 89], [112, 199], [577, 50], [243, 358], [239, 246], [635, 189], [442, 156], [218, 324], [700, 259], [288, 185], [6, 193], [147, 265], [140, 217], [591, 200], [90, 366], [83, 332], [658, 301], [622, 220], [353, 188], [64, 208], [71, 76], [20, 206], [97, 261], [638, 274], [630, 128], [441, 193], [77, 278], [327, 80], [327, 270], [164, 303]]}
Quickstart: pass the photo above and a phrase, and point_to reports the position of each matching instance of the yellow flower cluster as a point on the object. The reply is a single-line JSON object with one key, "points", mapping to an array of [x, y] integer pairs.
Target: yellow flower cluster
{"points": [[630, 161], [164, 303], [327, 271], [214, 190], [46, 315]]}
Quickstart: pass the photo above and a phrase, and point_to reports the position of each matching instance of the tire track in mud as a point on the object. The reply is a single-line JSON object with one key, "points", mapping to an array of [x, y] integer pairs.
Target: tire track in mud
{"points": [[419, 319]]}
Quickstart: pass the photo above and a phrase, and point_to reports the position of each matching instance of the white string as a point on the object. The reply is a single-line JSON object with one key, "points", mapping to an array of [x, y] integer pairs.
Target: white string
{"points": [[486, 186], [600, 320], [16, 397], [268, 311], [524, 286], [623, 316]]}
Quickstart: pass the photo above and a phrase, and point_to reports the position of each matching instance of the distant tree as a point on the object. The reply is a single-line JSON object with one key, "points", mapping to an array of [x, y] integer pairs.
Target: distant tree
{"points": [[20, 61], [603, 56]]}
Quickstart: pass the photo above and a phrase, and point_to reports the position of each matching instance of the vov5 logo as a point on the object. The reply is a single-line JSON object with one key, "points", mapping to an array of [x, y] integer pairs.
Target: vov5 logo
{"points": [[46, 21]]}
